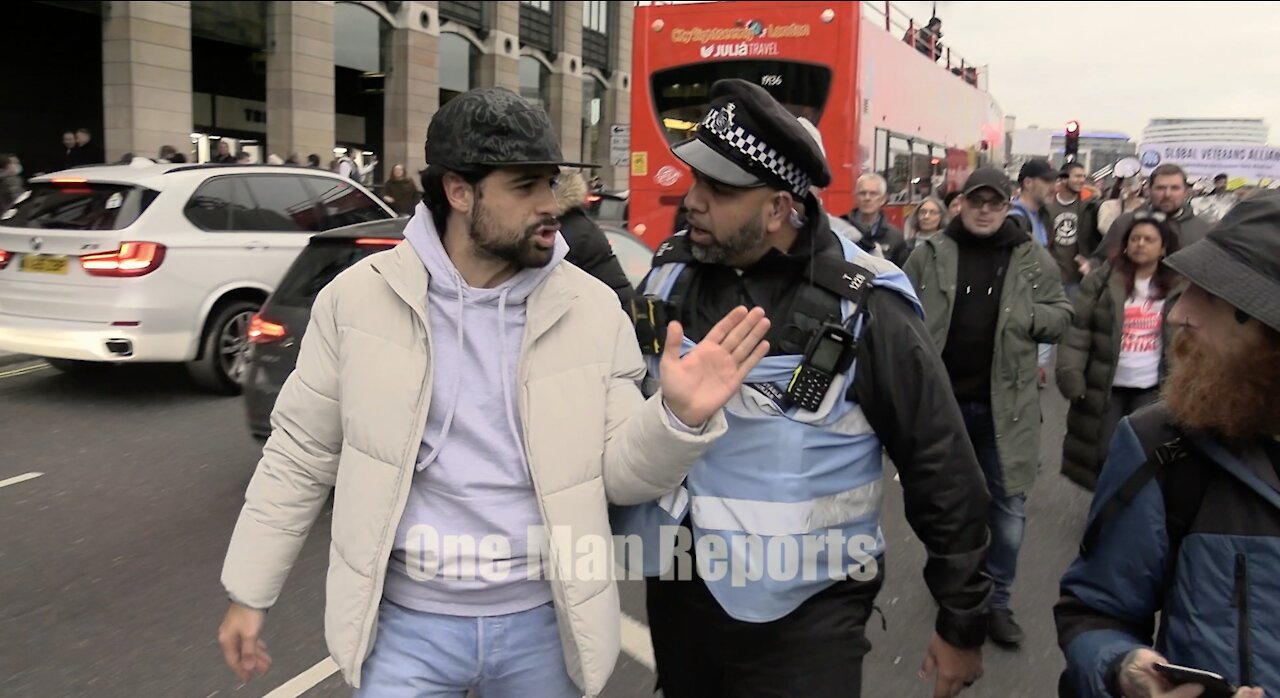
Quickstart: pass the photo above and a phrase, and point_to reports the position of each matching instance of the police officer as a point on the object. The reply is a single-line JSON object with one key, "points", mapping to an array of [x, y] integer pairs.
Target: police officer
{"points": [[771, 554]]}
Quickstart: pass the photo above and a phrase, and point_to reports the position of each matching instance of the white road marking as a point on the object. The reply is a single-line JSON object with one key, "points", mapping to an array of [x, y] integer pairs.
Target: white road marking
{"points": [[24, 370], [19, 479], [635, 642], [306, 680]]}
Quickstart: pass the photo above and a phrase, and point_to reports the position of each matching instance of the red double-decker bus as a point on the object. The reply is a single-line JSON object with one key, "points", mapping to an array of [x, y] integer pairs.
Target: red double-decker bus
{"points": [[884, 97]]}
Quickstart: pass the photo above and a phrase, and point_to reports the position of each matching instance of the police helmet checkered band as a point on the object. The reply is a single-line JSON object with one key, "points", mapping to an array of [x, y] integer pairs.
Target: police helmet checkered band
{"points": [[719, 122]]}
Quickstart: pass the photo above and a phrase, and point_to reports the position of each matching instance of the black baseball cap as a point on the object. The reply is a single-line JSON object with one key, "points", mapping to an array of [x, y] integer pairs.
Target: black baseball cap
{"points": [[988, 178], [492, 127], [1039, 168], [748, 139]]}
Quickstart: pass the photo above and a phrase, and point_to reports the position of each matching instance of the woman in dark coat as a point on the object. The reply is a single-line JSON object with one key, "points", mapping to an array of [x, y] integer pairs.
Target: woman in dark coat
{"points": [[589, 249], [400, 192], [1114, 358]]}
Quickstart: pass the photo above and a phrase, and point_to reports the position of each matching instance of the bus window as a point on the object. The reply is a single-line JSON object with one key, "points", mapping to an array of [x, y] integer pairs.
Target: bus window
{"points": [[921, 171], [898, 173], [682, 94]]}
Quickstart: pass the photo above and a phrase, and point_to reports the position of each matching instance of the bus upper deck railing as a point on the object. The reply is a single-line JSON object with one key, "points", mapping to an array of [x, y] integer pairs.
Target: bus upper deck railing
{"points": [[924, 35]]}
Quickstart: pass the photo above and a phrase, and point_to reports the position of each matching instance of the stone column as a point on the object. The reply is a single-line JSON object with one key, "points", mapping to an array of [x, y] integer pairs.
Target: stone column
{"points": [[500, 64], [300, 86], [566, 80], [146, 78], [617, 108], [412, 86]]}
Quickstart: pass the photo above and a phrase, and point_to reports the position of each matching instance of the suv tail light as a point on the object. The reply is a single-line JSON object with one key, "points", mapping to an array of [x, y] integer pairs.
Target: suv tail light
{"points": [[265, 332], [378, 242], [132, 259], [4, 258]]}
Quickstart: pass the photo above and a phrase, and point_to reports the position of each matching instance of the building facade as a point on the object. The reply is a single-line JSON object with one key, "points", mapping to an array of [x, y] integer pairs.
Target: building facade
{"points": [[1098, 151], [361, 79], [1241, 131]]}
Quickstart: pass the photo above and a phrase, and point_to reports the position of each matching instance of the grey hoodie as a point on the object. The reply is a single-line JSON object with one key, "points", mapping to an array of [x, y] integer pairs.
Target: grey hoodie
{"points": [[473, 479]]}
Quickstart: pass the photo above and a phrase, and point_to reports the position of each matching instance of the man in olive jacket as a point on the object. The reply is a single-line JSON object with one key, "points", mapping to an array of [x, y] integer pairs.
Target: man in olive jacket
{"points": [[990, 295]]}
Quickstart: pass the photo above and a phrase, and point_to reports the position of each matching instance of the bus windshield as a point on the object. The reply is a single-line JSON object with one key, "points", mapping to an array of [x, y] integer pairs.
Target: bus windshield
{"points": [[682, 94]]}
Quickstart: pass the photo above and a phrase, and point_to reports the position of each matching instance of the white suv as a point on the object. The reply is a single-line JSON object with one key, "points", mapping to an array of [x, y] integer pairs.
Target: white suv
{"points": [[157, 262]]}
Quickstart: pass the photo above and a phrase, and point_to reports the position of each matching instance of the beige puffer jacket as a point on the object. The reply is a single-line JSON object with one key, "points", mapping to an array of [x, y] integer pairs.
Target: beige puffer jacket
{"points": [[351, 417]]}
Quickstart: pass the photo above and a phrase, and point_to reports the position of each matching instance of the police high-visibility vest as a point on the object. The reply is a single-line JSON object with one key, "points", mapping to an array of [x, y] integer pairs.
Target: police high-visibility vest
{"points": [[788, 501]]}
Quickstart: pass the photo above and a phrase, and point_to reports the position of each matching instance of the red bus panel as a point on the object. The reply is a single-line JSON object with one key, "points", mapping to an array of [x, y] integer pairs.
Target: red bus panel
{"points": [[803, 53]]}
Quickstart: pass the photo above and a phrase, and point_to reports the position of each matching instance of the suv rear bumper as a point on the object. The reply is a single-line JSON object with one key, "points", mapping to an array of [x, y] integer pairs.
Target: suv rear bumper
{"points": [[260, 395], [90, 341]]}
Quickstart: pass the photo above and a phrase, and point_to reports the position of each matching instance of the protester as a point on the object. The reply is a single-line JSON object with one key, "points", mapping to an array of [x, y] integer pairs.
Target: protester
{"points": [[1115, 357], [589, 249], [400, 192], [466, 385], [1186, 520], [990, 294]]}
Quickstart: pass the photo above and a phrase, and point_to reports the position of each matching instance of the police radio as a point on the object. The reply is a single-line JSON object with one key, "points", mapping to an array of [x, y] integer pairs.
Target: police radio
{"points": [[830, 353]]}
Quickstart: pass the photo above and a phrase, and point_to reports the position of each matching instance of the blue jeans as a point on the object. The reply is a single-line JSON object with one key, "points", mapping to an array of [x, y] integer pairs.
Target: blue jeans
{"points": [[1007, 518], [425, 655]]}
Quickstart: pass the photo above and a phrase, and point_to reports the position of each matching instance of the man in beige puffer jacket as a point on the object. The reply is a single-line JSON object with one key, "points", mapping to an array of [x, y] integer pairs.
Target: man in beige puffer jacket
{"points": [[467, 384]]}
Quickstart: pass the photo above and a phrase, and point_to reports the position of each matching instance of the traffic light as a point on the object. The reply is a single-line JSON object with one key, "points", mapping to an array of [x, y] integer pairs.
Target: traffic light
{"points": [[1072, 147]]}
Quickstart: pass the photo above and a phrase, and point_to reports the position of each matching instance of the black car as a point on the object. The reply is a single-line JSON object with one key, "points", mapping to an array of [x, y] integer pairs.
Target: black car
{"points": [[608, 207], [275, 333]]}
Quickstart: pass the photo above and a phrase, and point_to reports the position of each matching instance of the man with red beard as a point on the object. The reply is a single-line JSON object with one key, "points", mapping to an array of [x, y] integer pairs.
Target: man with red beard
{"points": [[1186, 519]]}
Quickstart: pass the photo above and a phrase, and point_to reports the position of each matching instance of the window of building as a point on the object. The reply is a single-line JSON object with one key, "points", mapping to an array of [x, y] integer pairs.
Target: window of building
{"points": [[459, 66], [537, 25], [595, 34], [593, 96], [595, 16], [468, 14], [535, 81]]}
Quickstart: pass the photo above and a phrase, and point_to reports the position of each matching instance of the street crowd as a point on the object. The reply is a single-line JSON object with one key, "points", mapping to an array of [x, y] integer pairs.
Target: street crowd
{"points": [[497, 433]]}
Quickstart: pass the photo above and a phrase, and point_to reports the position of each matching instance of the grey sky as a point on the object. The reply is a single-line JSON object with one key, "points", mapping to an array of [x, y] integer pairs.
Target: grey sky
{"points": [[1114, 65]]}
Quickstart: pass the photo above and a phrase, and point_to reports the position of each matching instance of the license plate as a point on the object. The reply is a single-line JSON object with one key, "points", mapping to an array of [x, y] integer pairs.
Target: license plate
{"points": [[44, 263]]}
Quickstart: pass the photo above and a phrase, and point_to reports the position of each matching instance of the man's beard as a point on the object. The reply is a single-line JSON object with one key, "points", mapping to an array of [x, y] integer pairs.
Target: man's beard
{"points": [[736, 247], [1233, 392], [519, 249]]}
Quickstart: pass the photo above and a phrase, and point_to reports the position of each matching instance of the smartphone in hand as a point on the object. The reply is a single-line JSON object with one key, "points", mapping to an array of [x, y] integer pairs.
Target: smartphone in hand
{"points": [[1215, 686]]}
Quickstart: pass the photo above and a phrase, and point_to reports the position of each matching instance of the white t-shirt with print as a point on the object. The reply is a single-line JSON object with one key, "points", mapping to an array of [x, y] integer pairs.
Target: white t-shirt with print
{"points": [[1141, 342]]}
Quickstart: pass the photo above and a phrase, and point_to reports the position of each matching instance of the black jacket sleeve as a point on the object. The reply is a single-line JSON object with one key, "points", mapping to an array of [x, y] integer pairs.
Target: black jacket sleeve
{"points": [[591, 252], [906, 394], [1109, 239], [1090, 236]]}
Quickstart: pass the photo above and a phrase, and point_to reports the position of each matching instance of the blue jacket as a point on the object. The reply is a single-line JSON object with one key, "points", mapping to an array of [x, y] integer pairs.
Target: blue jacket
{"points": [[1220, 601], [1037, 221]]}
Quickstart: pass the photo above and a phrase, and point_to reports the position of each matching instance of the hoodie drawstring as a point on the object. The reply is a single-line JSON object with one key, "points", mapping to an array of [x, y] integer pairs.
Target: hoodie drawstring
{"points": [[457, 385], [502, 362]]}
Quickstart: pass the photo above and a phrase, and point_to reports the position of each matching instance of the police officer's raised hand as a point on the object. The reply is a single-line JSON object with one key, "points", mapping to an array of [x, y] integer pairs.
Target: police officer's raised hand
{"points": [[702, 381], [956, 667]]}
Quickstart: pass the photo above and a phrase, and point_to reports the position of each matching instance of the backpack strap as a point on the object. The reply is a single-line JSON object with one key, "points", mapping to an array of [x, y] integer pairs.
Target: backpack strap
{"points": [[1180, 469], [1182, 500]]}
